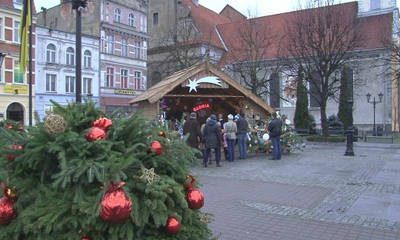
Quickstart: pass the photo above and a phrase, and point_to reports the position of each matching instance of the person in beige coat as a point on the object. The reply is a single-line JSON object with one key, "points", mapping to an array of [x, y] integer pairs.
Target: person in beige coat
{"points": [[230, 129]]}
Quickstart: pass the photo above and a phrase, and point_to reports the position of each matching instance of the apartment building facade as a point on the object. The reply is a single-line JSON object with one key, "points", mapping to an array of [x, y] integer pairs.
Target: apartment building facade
{"points": [[120, 28], [14, 82]]}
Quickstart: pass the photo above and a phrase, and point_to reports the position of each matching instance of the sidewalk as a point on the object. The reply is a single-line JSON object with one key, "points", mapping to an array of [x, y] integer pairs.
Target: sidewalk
{"points": [[317, 193]]}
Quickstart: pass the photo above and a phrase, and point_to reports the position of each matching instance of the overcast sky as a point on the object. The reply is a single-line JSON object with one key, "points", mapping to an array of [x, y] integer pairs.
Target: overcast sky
{"points": [[255, 7]]}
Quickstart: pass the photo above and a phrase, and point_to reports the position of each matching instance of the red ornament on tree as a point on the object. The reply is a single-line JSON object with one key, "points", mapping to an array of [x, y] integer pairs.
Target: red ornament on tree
{"points": [[116, 206], [12, 157], [7, 211], [103, 123], [96, 134], [86, 238], [194, 197], [173, 225], [155, 148]]}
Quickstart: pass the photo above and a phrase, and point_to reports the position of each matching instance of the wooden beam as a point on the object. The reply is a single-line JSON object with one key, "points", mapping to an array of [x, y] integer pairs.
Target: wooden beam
{"points": [[203, 95]]}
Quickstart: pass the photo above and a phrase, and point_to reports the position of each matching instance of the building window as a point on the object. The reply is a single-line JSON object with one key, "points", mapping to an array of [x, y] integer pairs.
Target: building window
{"points": [[274, 91], [124, 78], [110, 77], [375, 4], [137, 49], [69, 84], [48, 109], [87, 86], [110, 44], [131, 19], [70, 57], [107, 12], [124, 46], [87, 59], [18, 74], [51, 82], [16, 32], [1, 28], [51, 53], [155, 18], [117, 15], [138, 80]]}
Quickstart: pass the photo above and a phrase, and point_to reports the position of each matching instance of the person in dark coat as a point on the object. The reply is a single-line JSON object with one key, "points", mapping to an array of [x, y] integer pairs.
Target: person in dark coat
{"points": [[192, 127], [242, 127], [212, 139], [275, 132]]}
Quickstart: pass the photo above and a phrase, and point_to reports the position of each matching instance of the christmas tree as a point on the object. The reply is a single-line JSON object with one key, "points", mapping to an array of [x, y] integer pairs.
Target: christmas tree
{"points": [[81, 175]]}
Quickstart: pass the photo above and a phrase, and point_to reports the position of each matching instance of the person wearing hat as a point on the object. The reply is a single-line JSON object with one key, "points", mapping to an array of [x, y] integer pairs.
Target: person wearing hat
{"points": [[230, 130], [212, 139], [192, 127]]}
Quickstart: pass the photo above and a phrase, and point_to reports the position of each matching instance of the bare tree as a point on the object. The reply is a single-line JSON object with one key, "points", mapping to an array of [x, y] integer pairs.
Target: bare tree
{"points": [[179, 48], [250, 44], [392, 71], [323, 40]]}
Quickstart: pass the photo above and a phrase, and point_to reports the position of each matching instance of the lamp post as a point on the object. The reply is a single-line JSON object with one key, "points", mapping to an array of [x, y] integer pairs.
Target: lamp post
{"points": [[78, 5], [350, 131], [380, 95]]}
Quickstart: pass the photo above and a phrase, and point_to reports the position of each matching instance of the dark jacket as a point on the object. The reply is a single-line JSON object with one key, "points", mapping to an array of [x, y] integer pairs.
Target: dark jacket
{"points": [[192, 127], [212, 134], [275, 128], [242, 125]]}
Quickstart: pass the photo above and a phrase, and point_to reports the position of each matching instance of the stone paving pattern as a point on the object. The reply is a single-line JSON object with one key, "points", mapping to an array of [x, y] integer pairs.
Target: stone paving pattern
{"points": [[312, 193]]}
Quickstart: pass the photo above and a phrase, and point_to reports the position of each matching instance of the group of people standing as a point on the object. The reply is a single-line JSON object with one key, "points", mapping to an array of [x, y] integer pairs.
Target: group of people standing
{"points": [[217, 133]]}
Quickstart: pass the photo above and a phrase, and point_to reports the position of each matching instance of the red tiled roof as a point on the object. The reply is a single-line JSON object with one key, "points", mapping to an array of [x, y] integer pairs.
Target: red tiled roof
{"points": [[205, 20], [375, 29], [232, 13], [10, 4], [7, 3], [378, 30]]}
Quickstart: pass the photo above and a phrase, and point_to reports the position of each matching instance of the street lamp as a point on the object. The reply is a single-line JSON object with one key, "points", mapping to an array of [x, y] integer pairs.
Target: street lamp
{"points": [[2, 57], [78, 5], [380, 95]]}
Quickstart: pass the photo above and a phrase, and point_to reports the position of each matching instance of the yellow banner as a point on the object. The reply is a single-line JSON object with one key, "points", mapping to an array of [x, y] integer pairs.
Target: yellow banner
{"points": [[125, 91], [16, 89]]}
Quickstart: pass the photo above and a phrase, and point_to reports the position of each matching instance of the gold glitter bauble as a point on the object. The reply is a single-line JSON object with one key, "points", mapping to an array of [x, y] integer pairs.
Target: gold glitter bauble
{"points": [[55, 124]]}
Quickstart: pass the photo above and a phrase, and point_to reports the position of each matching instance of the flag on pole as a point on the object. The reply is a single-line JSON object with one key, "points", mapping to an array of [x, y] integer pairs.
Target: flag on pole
{"points": [[25, 23]]}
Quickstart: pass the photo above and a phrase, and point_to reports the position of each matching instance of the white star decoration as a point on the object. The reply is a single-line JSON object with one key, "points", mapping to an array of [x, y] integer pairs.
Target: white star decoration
{"points": [[192, 85], [195, 83]]}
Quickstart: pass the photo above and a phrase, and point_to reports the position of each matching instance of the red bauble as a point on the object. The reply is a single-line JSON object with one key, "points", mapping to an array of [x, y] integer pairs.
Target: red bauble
{"points": [[96, 134], [11, 157], [195, 199], [173, 225], [86, 238], [103, 123], [7, 211], [116, 206], [156, 148]]}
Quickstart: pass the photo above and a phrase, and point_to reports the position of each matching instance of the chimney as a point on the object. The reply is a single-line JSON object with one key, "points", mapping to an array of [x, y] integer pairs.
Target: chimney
{"points": [[196, 2]]}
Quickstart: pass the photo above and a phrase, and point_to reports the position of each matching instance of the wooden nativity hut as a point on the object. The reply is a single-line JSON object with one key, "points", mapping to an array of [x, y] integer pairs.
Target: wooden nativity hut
{"points": [[203, 89]]}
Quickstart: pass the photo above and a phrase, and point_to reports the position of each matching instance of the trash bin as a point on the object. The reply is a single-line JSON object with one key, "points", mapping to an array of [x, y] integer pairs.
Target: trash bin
{"points": [[355, 134], [379, 130]]}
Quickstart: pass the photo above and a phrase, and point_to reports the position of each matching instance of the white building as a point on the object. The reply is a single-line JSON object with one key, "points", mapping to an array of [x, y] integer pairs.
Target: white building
{"points": [[55, 68]]}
